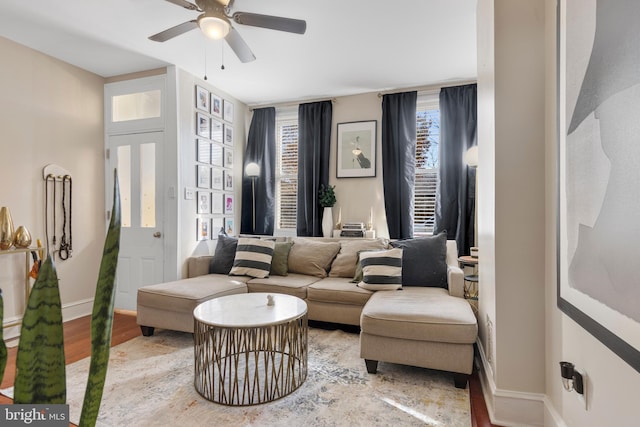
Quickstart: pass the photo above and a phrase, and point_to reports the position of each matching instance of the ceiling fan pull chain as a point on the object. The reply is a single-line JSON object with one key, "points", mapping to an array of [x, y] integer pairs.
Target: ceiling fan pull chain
{"points": [[205, 60], [222, 49]]}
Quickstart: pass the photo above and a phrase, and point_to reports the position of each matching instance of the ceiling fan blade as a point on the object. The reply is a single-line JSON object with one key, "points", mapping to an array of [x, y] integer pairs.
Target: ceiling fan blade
{"points": [[279, 23], [185, 4], [238, 45], [172, 32]]}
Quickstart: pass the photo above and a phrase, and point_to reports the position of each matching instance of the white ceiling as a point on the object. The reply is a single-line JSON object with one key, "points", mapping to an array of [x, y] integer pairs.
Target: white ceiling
{"points": [[350, 47]]}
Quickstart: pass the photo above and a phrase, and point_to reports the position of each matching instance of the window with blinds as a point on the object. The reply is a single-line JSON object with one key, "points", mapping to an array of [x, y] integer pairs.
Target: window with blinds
{"points": [[286, 170], [426, 180]]}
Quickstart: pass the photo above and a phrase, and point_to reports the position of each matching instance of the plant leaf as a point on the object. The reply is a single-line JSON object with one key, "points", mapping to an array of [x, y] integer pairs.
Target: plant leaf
{"points": [[40, 370], [102, 316], [3, 346]]}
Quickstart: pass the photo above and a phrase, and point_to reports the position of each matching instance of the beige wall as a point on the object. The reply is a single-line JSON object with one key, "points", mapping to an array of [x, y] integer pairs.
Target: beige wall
{"points": [[51, 112]]}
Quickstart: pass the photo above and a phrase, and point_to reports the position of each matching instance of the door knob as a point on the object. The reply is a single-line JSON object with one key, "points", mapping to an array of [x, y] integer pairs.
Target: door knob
{"points": [[157, 234]]}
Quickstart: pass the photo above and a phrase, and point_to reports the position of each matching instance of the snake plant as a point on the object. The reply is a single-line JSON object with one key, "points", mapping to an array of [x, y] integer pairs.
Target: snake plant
{"points": [[40, 361]]}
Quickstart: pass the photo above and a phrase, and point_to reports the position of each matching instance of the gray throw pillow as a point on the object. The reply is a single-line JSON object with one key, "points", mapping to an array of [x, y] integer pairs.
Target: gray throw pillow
{"points": [[424, 261], [224, 255], [280, 261]]}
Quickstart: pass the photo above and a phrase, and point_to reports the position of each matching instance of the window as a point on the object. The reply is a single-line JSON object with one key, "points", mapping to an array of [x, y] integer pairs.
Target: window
{"points": [[426, 184], [286, 169]]}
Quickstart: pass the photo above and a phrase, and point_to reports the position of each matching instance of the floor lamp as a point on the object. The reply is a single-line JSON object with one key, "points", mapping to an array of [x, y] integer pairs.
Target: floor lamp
{"points": [[252, 170], [471, 159]]}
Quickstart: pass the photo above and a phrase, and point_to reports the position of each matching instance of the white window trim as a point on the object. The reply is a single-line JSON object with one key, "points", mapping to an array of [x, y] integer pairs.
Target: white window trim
{"points": [[282, 114]]}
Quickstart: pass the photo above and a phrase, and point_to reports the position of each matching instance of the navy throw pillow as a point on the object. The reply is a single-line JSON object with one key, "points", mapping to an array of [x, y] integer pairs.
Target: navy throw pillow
{"points": [[424, 261], [224, 255]]}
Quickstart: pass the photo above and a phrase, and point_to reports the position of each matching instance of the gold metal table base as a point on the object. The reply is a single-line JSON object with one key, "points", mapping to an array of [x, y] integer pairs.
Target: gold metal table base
{"points": [[250, 365]]}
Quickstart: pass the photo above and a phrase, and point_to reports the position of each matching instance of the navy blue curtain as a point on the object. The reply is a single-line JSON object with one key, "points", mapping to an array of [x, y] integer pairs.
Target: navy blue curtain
{"points": [[455, 198], [314, 144], [399, 161], [261, 149]]}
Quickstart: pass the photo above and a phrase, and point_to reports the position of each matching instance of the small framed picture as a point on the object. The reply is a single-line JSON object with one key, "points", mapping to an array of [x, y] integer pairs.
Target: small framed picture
{"points": [[216, 105], [202, 99], [217, 203], [216, 130], [217, 179], [228, 158], [204, 202], [202, 125], [228, 134], [229, 226], [203, 228], [203, 176], [217, 225], [216, 155], [228, 204], [203, 154], [228, 181], [228, 111]]}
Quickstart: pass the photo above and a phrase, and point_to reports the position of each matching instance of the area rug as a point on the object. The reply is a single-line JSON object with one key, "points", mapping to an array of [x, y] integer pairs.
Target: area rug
{"points": [[150, 383]]}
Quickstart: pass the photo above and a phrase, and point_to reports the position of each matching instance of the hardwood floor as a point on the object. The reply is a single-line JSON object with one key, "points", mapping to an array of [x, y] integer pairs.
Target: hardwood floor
{"points": [[77, 346]]}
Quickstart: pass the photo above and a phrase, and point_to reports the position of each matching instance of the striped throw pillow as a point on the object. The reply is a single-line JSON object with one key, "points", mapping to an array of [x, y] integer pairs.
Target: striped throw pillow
{"points": [[381, 270], [253, 257]]}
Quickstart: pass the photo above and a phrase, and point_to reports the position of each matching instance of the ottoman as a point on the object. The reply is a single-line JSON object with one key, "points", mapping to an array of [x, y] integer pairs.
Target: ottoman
{"points": [[170, 305], [419, 326]]}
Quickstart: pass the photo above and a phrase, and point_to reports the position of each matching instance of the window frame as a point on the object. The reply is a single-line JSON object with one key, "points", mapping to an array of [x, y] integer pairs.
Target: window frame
{"points": [[284, 116], [426, 101]]}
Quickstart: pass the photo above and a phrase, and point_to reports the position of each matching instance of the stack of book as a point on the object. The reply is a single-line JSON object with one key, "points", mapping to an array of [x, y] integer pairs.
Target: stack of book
{"points": [[352, 229]]}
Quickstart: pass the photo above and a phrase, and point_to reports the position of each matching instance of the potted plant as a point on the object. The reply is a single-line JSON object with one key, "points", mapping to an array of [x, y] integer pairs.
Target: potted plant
{"points": [[327, 198]]}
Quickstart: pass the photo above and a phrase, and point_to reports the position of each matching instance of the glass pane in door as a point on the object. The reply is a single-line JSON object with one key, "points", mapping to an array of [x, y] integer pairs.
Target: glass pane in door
{"points": [[124, 179], [148, 185]]}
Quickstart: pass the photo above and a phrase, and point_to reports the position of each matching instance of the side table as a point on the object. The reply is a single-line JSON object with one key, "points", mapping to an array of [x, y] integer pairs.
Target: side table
{"points": [[470, 280]]}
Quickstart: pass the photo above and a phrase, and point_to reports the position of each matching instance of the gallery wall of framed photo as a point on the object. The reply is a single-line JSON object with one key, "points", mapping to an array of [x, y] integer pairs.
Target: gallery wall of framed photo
{"points": [[214, 147]]}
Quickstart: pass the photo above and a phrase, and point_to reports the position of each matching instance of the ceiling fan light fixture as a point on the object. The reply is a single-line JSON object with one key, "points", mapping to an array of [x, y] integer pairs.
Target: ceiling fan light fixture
{"points": [[214, 27]]}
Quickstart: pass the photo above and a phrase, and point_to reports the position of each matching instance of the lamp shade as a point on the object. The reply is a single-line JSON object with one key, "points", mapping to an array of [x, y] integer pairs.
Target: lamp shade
{"points": [[252, 169], [213, 27], [471, 157]]}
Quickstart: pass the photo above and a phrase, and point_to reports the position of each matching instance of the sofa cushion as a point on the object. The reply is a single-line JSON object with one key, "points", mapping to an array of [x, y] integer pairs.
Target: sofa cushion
{"points": [[424, 261], [280, 260], [422, 314], [292, 284], [311, 257], [338, 290], [381, 270], [224, 255], [185, 294], [345, 263], [253, 257]]}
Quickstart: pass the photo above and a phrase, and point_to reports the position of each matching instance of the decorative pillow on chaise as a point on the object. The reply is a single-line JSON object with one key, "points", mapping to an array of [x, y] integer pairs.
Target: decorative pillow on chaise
{"points": [[424, 261], [381, 270], [253, 257], [224, 255]]}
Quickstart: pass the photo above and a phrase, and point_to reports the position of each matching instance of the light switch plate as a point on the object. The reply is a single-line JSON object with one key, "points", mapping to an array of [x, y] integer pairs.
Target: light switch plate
{"points": [[188, 194]]}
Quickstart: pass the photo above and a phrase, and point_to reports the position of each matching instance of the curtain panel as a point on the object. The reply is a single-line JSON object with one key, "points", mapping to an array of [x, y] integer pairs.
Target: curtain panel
{"points": [[455, 198], [261, 149], [314, 144], [399, 161]]}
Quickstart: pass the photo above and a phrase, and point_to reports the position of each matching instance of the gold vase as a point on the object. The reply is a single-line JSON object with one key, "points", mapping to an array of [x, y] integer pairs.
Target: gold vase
{"points": [[22, 237], [6, 229]]}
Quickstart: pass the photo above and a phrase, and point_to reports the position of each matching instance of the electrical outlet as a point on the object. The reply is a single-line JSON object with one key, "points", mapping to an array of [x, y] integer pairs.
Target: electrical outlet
{"points": [[188, 194], [489, 343], [585, 382]]}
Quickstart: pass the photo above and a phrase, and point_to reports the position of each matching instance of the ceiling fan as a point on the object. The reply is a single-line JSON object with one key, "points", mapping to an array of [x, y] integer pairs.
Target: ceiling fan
{"points": [[215, 22]]}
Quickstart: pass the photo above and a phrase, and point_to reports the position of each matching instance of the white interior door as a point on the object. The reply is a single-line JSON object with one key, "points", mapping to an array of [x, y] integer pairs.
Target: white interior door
{"points": [[138, 158]]}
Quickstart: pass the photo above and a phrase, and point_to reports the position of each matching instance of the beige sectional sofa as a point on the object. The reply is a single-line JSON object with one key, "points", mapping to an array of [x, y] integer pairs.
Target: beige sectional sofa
{"points": [[430, 327]]}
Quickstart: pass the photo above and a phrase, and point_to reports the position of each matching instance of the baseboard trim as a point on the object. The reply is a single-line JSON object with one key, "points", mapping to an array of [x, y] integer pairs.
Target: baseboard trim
{"points": [[506, 407], [70, 311]]}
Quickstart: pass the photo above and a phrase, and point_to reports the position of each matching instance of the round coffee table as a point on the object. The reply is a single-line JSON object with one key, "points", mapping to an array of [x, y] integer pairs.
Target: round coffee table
{"points": [[248, 352]]}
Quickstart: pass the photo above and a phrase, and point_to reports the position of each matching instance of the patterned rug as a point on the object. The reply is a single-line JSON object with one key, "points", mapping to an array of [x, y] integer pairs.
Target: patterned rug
{"points": [[150, 383]]}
